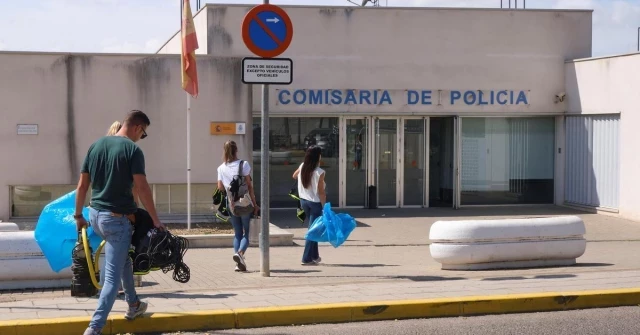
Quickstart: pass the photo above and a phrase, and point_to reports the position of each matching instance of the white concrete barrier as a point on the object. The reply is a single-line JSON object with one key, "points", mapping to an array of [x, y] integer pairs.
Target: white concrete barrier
{"points": [[23, 266], [507, 243], [8, 226]]}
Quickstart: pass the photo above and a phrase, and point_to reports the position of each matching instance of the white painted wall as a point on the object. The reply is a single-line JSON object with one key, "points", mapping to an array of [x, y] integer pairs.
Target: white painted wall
{"points": [[419, 48], [74, 98], [609, 86]]}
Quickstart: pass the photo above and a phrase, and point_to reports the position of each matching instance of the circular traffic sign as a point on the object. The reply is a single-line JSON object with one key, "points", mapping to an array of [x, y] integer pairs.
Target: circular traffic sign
{"points": [[267, 30]]}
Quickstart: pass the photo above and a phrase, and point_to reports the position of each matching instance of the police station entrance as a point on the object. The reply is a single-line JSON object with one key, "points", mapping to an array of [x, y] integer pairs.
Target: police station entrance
{"points": [[376, 157], [397, 162]]}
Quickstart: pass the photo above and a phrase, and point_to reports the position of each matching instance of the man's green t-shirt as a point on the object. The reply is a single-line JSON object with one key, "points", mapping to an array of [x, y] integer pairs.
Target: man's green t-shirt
{"points": [[111, 163]]}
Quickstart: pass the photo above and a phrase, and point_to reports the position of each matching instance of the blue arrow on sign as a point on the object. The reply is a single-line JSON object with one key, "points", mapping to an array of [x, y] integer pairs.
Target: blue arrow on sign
{"points": [[267, 30]]}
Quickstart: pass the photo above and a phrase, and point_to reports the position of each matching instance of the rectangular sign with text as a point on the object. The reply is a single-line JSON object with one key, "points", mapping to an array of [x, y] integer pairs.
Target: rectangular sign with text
{"points": [[228, 128], [27, 129], [270, 71]]}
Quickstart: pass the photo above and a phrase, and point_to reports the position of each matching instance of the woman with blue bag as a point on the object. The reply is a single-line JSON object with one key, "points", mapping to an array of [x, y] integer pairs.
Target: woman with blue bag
{"points": [[311, 190]]}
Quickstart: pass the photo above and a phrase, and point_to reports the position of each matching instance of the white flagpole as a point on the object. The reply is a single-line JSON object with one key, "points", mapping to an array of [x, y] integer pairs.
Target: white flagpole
{"points": [[188, 161]]}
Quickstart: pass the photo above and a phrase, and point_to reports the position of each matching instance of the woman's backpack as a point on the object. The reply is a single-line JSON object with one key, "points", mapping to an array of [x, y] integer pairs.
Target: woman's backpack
{"points": [[239, 197]]}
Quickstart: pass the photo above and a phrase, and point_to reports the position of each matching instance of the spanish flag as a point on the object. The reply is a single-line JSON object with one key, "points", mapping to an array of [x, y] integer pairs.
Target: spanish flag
{"points": [[188, 56]]}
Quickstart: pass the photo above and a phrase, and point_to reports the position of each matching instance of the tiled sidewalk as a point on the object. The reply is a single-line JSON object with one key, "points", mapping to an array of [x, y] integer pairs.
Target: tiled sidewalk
{"points": [[212, 269], [416, 288], [384, 259]]}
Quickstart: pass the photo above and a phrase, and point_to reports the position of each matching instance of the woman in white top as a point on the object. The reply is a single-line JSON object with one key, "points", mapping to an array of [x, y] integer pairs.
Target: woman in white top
{"points": [[226, 171], [311, 190]]}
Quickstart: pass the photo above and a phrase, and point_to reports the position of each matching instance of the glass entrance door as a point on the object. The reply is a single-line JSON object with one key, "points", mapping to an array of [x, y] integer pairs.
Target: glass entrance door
{"points": [[413, 163], [386, 162], [441, 161], [356, 166], [398, 162]]}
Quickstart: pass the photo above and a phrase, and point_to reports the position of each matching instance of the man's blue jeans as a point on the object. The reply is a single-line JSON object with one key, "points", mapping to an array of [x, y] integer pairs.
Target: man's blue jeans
{"points": [[116, 231]]}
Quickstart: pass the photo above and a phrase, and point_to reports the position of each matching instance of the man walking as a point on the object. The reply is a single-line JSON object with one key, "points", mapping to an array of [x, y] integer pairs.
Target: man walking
{"points": [[113, 165]]}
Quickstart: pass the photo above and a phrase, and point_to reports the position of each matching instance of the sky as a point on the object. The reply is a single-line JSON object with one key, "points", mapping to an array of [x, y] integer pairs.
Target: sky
{"points": [[142, 26]]}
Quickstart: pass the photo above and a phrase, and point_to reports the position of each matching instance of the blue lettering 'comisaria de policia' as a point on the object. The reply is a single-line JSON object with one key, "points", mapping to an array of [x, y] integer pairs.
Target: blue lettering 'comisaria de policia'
{"points": [[412, 97]]}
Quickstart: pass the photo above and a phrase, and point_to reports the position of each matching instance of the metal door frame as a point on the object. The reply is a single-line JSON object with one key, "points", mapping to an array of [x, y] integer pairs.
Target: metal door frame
{"points": [[457, 160], [399, 154], [343, 159], [425, 177]]}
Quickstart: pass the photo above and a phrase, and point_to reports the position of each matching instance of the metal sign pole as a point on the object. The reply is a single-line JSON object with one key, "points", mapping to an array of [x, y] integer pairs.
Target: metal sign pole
{"points": [[275, 26], [264, 182]]}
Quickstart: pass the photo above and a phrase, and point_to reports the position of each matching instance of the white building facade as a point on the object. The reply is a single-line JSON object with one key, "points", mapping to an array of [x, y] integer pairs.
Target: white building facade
{"points": [[416, 107], [413, 107]]}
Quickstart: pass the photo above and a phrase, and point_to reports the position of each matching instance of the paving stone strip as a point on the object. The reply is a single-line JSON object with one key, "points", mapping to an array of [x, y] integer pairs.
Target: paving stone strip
{"points": [[321, 294]]}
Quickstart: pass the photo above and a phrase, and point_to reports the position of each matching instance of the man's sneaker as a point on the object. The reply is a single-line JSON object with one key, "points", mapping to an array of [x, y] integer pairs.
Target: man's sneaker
{"points": [[91, 331], [237, 269], [317, 261], [309, 263], [135, 312], [240, 262]]}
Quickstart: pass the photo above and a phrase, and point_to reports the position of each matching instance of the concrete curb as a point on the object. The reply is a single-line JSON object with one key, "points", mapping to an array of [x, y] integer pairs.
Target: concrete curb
{"points": [[277, 238], [333, 313], [8, 226]]}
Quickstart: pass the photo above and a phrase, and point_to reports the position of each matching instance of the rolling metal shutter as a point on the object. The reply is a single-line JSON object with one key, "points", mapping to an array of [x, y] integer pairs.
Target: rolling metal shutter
{"points": [[592, 162]]}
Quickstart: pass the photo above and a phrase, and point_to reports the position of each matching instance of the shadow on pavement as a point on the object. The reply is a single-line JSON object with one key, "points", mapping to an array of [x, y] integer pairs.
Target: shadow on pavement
{"points": [[147, 284], [186, 295], [555, 276], [462, 212], [558, 276], [505, 278], [294, 271], [588, 265], [426, 278], [382, 277], [361, 224], [550, 276], [286, 218], [206, 332], [358, 265]]}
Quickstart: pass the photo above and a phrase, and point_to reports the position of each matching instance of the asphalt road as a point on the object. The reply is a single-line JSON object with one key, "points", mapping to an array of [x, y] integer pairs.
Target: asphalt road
{"points": [[619, 321]]}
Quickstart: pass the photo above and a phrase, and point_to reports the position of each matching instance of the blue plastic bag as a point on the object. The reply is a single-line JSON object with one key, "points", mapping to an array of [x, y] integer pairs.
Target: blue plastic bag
{"points": [[331, 227], [56, 232]]}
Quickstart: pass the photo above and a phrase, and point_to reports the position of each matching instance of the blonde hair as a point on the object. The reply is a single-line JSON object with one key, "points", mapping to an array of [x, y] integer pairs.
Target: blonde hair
{"points": [[230, 151], [115, 127]]}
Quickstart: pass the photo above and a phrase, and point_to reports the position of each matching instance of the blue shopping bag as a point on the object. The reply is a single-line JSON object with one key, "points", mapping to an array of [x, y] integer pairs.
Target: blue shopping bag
{"points": [[56, 232], [331, 227]]}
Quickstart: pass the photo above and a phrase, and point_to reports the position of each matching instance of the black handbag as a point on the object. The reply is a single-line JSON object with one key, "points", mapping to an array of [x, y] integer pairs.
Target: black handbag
{"points": [[300, 214], [220, 205]]}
